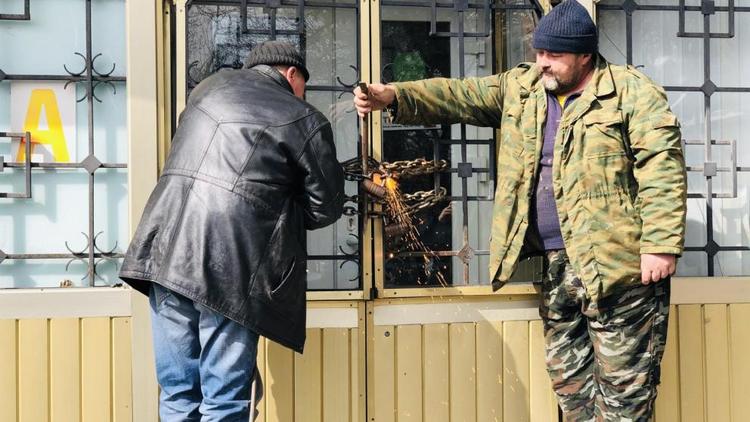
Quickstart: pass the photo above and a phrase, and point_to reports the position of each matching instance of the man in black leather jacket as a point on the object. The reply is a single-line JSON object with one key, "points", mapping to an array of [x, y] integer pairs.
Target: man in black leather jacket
{"points": [[221, 246]]}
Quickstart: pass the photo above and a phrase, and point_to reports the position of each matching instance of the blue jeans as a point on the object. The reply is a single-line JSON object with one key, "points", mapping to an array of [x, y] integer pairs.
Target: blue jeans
{"points": [[204, 362]]}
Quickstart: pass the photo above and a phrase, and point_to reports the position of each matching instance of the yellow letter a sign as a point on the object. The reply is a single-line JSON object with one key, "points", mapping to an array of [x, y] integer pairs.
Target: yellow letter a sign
{"points": [[43, 103]]}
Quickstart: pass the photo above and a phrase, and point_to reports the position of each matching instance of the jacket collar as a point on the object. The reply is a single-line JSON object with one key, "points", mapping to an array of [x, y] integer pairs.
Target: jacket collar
{"points": [[528, 80], [274, 74], [602, 83]]}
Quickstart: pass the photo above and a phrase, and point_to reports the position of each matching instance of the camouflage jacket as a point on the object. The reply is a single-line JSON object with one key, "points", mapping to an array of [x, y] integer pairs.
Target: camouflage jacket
{"points": [[618, 172]]}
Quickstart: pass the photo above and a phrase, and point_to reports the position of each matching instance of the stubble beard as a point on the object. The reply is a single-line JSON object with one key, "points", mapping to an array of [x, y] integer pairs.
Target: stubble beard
{"points": [[555, 86], [550, 83]]}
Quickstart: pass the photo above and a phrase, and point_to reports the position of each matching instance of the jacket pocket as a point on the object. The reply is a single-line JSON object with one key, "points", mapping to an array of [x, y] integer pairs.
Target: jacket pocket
{"points": [[603, 135], [280, 276], [606, 159], [287, 282]]}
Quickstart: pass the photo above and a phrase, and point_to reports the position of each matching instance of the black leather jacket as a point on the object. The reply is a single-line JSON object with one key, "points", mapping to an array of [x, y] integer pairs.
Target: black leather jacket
{"points": [[250, 168]]}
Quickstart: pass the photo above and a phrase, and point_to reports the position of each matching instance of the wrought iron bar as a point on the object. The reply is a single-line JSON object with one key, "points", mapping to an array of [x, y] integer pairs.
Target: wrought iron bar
{"points": [[707, 8], [62, 166], [462, 6], [68, 78], [26, 139], [26, 15], [666, 8], [23, 256]]}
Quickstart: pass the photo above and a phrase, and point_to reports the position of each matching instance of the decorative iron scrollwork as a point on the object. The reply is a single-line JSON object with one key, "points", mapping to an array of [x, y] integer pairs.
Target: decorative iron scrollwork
{"points": [[99, 256], [101, 78]]}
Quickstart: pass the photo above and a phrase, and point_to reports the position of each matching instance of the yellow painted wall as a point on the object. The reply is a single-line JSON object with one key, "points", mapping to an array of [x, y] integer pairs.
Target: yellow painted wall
{"points": [[79, 369], [494, 370], [706, 369], [484, 371], [66, 369], [324, 384]]}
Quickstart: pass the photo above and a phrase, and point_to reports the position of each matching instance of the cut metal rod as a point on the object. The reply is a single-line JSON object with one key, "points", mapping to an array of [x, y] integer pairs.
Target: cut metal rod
{"points": [[364, 148]]}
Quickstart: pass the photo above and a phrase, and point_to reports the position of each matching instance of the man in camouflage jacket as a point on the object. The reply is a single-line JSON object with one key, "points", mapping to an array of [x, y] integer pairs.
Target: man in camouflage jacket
{"points": [[591, 174]]}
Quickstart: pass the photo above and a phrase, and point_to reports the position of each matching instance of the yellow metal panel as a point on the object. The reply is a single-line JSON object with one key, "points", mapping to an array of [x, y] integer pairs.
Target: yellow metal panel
{"points": [[280, 383], [516, 371], [163, 81], [383, 374], [261, 363], [436, 392], [463, 372], [95, 369], [508, 291], [542, 400], [180, 53], [365, 68], [419, 299], [308, 380], [717, 362], [369, 352], [692, 381], [65, 369], [376, 136], [330, 295], [489, 371], [739, 337], [144, 126], [668, 400], [8, 368], [409, 373], [357, 363], [702, 290], [122, 359], [33, 370], [336, 375], [146, 391], [358, 359]]}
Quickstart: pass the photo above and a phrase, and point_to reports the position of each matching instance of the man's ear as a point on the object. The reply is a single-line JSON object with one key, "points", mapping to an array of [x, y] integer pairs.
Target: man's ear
{"points": [[590, 58], [292, 73]]}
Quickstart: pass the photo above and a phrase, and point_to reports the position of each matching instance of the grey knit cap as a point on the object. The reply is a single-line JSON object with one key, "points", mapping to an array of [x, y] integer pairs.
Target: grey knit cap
{"points": [[274, 53], [568, 28]]}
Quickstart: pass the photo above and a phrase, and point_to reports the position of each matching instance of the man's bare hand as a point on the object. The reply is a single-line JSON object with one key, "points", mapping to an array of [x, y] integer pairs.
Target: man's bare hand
{"points": [[655, 267], [379, 96]]}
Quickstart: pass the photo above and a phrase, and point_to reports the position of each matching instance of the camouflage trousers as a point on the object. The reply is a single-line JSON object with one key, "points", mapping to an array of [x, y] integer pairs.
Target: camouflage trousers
{"points": [[603, 358]]}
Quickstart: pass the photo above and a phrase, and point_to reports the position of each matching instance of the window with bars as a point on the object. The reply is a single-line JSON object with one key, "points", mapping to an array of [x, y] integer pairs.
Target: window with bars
{"points": [[63, 196], [221, 33], [423, 39], [697, 52]]}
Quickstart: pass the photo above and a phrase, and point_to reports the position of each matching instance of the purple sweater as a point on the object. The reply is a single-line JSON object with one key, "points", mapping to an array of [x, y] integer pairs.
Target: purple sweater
{"points": [[543, 209]]}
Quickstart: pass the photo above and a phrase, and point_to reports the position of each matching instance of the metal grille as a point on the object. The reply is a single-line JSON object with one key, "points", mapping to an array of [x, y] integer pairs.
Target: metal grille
{"points": [[91, 78], [244, 31], [710, 168], [494, 16], [26, 15]]}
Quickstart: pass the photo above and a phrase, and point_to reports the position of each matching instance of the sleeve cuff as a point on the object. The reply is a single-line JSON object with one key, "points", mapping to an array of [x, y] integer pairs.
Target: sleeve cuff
{"points": [[671, 250]]}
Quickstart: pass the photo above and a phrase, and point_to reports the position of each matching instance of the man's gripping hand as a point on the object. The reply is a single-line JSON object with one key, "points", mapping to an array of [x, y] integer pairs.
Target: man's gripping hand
{"points": [[379, 96], [655, 267]]}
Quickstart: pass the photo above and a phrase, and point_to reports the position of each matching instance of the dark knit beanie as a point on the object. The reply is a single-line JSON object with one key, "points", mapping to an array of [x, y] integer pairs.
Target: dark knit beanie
{"points": [[568, 28], [274, 53]]}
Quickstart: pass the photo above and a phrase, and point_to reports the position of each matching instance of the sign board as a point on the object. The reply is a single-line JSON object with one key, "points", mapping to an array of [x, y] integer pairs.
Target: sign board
{"points": [[47, 110]]}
